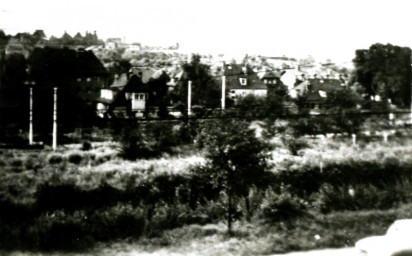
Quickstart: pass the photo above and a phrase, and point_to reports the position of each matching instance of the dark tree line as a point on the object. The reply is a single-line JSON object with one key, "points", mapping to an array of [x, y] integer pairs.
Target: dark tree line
{"points": [[78, 75], [385, 70]]}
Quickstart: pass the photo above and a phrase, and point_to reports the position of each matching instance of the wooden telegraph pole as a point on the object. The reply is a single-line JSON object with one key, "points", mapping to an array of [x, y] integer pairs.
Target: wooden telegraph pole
{"points": [[223, 92], [31, 118], [189, 98], [54, 146]]}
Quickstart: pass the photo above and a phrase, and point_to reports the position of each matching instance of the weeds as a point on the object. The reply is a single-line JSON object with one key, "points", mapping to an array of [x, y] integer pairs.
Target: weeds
{"points": [[56, 201]]}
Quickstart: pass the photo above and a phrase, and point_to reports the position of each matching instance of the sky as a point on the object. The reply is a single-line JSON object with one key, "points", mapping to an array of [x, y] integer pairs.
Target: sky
{"points": [[324, 29]]}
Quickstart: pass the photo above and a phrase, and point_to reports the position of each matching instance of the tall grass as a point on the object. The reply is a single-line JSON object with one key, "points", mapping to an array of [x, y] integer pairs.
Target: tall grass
{"points": [[87, 200]]}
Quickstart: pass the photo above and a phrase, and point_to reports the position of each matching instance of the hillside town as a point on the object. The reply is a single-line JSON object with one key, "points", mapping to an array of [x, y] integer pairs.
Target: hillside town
{"points": [[128, 77], [110, 147]]}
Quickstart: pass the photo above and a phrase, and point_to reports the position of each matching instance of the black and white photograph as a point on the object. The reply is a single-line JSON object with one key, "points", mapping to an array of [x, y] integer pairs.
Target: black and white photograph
{"points": [[205, 128]]}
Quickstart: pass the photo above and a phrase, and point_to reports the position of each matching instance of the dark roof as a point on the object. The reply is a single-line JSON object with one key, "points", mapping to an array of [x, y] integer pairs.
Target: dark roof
{"points": [[89, 65], [316, 84], [143, 72], [317, 96], [135, 84], [235, 72], [272, 74]]}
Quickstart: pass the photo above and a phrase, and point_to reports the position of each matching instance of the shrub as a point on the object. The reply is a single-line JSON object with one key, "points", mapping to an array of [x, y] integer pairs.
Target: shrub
{"points": [[282, 207], [58, 230], [16, 165], [16, 162], [75, 158], [360, 197], [295, 144], [55, 159], [30, 163], [119, 221], [86, 146]]}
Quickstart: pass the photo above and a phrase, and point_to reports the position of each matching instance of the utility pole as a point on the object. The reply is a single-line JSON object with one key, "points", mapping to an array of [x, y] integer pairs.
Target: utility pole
{"points": [[31, 118], [411, 104], [54, 146], [223, 92], [189, 98]]}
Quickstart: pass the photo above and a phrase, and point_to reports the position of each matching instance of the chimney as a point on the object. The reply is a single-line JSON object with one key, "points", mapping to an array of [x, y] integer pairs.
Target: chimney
{"points": [[244, 69]]}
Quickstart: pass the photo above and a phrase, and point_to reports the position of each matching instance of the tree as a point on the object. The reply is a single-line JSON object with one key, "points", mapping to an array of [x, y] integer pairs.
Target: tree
{"points": [[159, 95], [342, 115], [205, 91], [385, 70], [236, 160], [79, 75], [13, 94], [344, 111]]}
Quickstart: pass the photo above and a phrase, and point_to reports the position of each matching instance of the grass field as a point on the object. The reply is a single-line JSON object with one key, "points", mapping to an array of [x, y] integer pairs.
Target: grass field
{"points": [[99, 204]]}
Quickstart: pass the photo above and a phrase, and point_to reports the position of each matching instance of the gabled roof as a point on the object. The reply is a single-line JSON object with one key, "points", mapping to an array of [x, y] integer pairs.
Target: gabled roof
{"points": [[119, 82], [317, 96], [327, 85], [302, 86], [135, 84], [235, 72], [273, 74], [145, 73]]}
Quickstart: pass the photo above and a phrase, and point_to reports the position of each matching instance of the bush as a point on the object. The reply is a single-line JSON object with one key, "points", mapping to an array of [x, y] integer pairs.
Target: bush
{"points": [[75, 158], [86, 146], [58, 230], [16, 162], [295, 144], [360, 197], [282, 207], [119, 221], [55, 159]]}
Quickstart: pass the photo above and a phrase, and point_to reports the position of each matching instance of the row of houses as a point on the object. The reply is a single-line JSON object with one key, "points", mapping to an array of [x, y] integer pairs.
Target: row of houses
{"points": [[133, 94]]}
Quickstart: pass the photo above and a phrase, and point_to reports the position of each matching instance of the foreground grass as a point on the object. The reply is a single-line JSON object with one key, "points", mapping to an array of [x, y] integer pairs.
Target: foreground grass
{"points": [[100, 172], [335, 230]]}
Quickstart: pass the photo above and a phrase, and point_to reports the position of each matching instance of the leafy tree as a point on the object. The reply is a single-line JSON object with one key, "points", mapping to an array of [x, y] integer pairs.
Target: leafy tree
{"points": [[205, 91], [342, 115], [159, 96], [251, 106], [13, 94], [346, 116], [75, 74], [385, 70], [237, 160], [144, 140]]}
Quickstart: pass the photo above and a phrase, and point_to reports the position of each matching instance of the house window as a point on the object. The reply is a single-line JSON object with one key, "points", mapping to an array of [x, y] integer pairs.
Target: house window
{"points": [[89, 79], [265, 81], [141, 96], [243, 81]]}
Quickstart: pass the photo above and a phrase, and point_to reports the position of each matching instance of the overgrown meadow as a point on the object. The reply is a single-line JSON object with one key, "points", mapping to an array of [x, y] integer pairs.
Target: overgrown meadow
{"points": [[320, 192]]}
